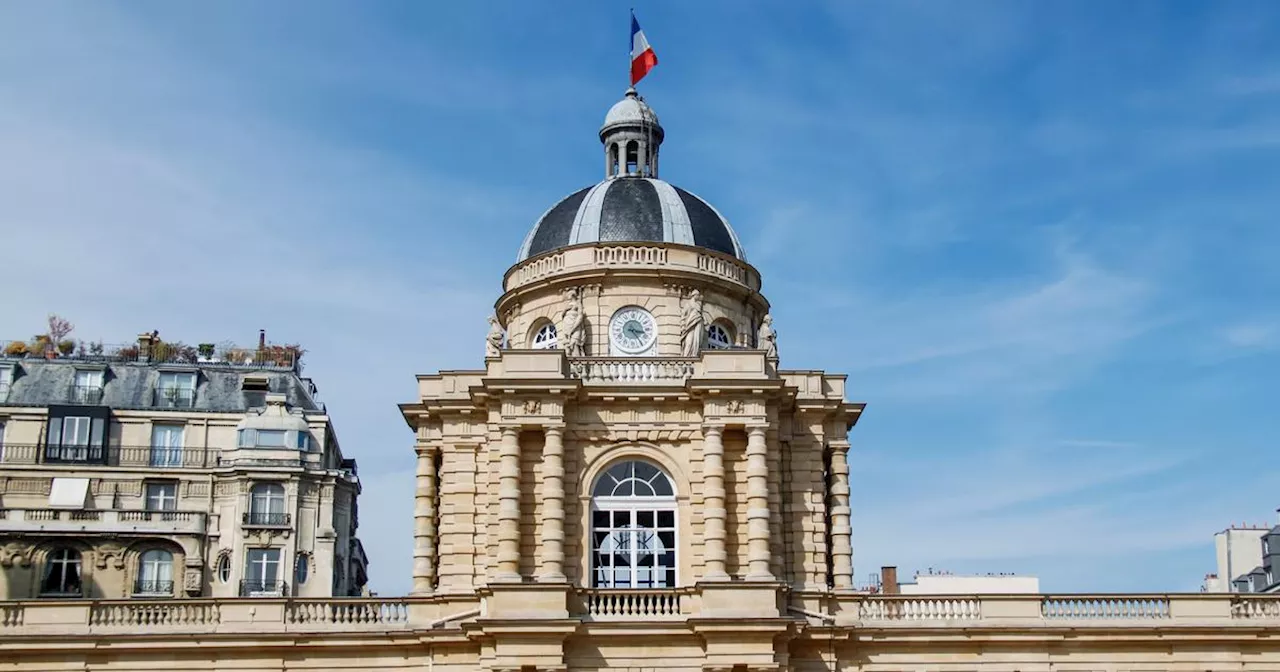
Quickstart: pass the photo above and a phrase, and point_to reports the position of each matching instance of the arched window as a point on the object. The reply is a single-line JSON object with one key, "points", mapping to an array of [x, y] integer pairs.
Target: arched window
{"points": [[718, 337], [633, 157], [633, 528], [545, 337], [266, 504], [62, 573], [613, 160], [155, 573]]}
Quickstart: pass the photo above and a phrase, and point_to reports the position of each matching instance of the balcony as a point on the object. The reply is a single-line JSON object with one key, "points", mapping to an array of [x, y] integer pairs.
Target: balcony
{"points": [[86, 395], [151, 457], [95, 521], [173, 397], [261, 519], [609, 604], [150, 588], [256, 588], [632, 370]]}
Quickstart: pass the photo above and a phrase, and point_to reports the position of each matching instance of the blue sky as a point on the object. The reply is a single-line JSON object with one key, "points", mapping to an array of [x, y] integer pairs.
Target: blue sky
{"points": [[1039, 237]]}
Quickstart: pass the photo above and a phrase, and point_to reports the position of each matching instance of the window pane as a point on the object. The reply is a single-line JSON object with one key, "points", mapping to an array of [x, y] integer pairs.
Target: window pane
{"points": [[271, 437], [600, 518], [666, 519], [621, 518], [644, 518]]}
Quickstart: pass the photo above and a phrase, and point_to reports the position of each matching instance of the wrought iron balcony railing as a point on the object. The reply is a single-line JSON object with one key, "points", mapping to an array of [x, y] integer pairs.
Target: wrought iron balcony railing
{"points": [[159, 457], [263, 519], [87, 395], [174, 397], [259, 588], [151, 587]]}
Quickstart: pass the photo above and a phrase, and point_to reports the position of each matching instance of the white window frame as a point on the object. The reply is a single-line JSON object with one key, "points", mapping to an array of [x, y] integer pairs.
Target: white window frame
{"points": [[631, 509], [546, 337], [6, 382], [223, 568], [262, 559], [155, 566], [181, 381], [166, 445], [718, 337], [162, 496], [59, 560], [266, 498]]}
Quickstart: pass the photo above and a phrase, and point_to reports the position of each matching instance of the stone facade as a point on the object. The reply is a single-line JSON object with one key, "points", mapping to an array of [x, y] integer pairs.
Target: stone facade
{"points": [[146, 479], [607, 494]]}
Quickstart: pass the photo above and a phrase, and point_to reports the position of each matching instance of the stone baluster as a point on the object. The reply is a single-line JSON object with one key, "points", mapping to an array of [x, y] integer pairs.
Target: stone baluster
{"points": [[758, 552], [508, 569], [424, 523], [713, 510], [841, 530], [552, 548]]}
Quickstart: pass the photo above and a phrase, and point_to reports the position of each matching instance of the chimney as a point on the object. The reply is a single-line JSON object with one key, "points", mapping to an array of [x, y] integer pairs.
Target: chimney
{"points": [[889, 580], [145, 341], [262, 340]]}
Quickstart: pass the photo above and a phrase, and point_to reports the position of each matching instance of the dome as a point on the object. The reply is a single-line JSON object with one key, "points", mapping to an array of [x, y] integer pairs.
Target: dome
{"points": [[631, 209], [630, 110]]}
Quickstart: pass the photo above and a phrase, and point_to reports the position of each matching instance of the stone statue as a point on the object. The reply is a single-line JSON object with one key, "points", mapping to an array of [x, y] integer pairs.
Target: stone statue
{"points": [[767, 338], [572, 330], [692, 325], [493, 342]]}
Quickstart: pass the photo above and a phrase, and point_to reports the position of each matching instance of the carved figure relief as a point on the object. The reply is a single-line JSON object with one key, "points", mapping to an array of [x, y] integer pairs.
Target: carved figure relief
{"points": [[733, 406], [767, 338], [572, 328], [15, 554], [493, 342], [532, 407], [692, 325]]}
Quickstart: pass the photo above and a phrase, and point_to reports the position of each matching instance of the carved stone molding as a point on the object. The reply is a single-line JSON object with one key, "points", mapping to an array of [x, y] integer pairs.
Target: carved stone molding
{"points": [[266, 536], [15, 554], [191, 581], [531, 410], [111, 553]]}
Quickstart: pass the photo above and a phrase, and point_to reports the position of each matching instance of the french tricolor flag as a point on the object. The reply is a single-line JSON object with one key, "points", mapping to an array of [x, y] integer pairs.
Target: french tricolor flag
{"points": [[642, 57]]}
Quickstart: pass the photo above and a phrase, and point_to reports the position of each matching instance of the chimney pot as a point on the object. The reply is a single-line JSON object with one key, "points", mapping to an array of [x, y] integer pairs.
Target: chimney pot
{"points": [[889, 580]]}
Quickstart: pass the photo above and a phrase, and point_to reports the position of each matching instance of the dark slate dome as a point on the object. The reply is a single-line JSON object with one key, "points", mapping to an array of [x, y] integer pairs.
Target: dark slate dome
{"points": [[632, 209], [631, 204]]}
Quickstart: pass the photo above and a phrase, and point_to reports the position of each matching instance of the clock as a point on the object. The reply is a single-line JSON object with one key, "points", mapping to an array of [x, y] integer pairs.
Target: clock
{"points": [[632, 331]]}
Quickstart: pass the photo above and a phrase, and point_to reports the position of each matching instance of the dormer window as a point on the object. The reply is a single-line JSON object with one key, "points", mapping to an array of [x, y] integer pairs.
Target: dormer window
{"points": [[176, 389], [256, 384], [87, 389]]}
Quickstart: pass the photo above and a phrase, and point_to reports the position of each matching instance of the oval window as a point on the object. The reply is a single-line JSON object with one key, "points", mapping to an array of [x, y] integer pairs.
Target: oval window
{"points": [[300, 574], [224, 568]]}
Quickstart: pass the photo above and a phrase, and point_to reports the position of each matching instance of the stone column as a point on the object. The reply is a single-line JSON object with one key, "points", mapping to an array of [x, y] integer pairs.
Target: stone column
{"points": [[713, 507], [841, 530], [424, 523], [758, 554], [552, 548], [508, 569]]}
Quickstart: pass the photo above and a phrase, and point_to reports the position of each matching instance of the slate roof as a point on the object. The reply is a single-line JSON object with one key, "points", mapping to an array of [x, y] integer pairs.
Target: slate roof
{"points": [[132, 385]]}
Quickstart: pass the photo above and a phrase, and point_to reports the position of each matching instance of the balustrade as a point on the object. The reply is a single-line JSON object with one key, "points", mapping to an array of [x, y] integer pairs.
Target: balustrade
{"points": [[348, 612], [154, 613], [632, 370], [625, 604], [1256, 606], [1105, 607], [924, 608], [101, 520]]}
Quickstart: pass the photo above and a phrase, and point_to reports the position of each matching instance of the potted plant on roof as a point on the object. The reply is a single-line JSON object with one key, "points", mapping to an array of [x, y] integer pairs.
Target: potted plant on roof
{"points": [[16, 349], [206, 351], [66, 347]]}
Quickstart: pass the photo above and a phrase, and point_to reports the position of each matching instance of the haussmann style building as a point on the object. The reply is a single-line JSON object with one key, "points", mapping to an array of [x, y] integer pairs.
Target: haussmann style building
{"points": [[150, 472], [630, 481]]}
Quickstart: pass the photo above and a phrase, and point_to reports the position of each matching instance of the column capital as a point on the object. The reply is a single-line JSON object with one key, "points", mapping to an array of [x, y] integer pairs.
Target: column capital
{"points": [[556, 427], [717, 427]]}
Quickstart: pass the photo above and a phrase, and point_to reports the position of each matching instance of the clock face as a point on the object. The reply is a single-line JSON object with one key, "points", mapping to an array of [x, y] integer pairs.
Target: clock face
{"points": [[632, 330]]}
